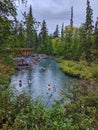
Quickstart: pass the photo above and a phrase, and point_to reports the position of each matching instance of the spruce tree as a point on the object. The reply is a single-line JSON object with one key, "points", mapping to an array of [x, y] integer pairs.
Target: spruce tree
{"points": [[96, 34], [56, 32], [21, 35], [71, 20], [89, 19], [88, 32], [30, 29], [44, 40], [43, 32], [62, 32], [95, 49]]}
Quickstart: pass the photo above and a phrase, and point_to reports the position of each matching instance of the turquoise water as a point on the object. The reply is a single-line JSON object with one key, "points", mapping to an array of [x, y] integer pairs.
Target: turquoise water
{"points": [[40, 79]]}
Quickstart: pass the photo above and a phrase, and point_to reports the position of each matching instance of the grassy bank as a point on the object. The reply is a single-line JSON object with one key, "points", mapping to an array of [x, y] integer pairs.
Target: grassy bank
{"points": [[79, 69]]}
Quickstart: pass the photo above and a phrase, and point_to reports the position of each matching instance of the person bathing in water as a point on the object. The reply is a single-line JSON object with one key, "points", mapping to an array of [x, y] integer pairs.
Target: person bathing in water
{"points": [[20, 83], [29, 82], [48, 87]]}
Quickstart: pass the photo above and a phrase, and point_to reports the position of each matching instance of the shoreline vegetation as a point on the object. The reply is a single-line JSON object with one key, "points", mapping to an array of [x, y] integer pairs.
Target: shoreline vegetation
{"points": [[6, 70], [79, 69]]}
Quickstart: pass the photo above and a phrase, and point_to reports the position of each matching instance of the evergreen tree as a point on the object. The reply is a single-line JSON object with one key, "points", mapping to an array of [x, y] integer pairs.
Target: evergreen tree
{"points": [[89, 21], [96, 34], [71, 20], [30, 29], [43, 32], [95, 49], [56, 33], [21, 35], [7, 9], [62, 32], [45, 44], [88, 27]]}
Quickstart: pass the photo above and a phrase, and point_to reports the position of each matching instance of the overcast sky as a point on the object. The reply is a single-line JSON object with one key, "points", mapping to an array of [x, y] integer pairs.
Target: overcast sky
{"points": [[58, 11]]}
